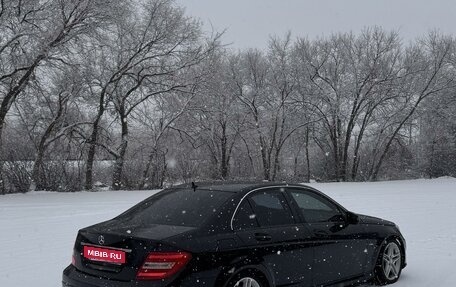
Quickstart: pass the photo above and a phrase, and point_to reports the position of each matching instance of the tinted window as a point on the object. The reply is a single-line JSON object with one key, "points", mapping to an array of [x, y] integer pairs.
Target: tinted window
{"points": [[271, 208], [245, 217], [183, 207], [314, 208]]}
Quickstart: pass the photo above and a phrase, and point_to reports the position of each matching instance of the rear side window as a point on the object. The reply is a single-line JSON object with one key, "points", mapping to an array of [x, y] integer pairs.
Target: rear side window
{"points": [[271, 208], [182, 207], [245, 218]]}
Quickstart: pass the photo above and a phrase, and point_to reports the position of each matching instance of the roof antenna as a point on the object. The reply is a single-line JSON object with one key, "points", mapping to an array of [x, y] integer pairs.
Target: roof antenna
{"points": [[194, 186]]}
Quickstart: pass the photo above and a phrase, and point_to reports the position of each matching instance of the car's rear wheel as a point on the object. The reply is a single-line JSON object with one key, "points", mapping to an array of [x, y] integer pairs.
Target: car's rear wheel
{"points": [[247, 282], [389, 265], [247, 278]]}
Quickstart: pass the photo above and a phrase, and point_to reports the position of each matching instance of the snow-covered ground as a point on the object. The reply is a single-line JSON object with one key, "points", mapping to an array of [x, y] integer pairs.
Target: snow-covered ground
{"points": [[38, 229]]}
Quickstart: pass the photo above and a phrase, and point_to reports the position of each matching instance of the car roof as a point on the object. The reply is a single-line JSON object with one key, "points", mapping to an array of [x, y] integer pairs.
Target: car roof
{"points": [[236, 186]]}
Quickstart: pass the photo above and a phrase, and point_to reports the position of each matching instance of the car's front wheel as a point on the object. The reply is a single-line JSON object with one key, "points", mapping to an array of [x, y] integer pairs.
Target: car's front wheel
{"points": [[389, 265]]}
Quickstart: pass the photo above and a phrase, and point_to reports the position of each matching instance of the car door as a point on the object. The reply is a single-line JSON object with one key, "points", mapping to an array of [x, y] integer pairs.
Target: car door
{"points": [[266, 225], [339, 245]]}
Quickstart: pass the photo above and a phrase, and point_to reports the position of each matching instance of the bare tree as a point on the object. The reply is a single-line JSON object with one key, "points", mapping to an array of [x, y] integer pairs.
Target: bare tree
{"points": [[265, 86], [49, 116], [33, 32], [168, 49], [217, 115], [349, 79], [428, 73]]}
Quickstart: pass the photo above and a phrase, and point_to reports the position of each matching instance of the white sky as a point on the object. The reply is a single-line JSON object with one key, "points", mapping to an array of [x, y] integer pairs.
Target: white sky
{"points": [[251, 22]]}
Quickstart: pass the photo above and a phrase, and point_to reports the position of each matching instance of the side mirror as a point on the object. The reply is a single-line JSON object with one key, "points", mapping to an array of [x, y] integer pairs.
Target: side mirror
{"points": [[352, 218]]}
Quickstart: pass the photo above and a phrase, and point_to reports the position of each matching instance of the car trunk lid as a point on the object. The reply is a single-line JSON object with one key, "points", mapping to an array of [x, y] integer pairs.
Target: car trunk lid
{"points": [[115, 249]]}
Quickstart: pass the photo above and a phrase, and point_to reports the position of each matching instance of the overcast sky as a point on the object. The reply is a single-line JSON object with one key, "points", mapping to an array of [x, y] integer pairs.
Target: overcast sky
{"points": [[249, 23]]}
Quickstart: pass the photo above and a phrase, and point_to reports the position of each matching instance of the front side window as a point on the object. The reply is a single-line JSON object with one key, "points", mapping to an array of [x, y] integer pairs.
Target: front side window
{"points": [[271, 208], [315, 208]]}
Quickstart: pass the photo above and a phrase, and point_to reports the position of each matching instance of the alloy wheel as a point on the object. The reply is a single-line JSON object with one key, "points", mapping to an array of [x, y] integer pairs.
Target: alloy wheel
{"points": [[392, 261], [247, 282]]}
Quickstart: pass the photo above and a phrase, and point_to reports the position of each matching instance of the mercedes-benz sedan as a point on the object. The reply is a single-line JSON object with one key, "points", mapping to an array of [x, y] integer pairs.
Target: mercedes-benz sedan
{"points": [[237, 235]]}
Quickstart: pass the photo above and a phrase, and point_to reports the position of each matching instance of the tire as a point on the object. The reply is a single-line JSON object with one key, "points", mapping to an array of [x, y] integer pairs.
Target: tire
{"points": [[389, 263], [244, 279]]}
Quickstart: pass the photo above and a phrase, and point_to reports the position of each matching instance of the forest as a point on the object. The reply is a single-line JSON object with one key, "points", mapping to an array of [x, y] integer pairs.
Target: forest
{"points": [[106, 94]]}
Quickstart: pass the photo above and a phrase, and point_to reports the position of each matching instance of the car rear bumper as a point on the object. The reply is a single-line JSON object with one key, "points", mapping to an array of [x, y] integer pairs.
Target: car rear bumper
{"points": [[74, 278]]}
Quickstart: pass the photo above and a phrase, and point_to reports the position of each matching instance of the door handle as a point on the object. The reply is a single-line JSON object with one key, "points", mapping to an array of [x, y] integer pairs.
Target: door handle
{"points": [[321, 233], [262, 237]]}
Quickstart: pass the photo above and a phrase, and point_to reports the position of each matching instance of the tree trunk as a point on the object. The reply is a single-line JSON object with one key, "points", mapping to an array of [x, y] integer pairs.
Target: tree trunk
{"points": [[93, 141], [36, 182], [276, 165], [335, 146], [356, 155], [263, 151], [164, 171], [249, 154], [91, 155], [2, 161], [224, 160], [307, 155], [264, 159], [152, 155], [118, 167]]}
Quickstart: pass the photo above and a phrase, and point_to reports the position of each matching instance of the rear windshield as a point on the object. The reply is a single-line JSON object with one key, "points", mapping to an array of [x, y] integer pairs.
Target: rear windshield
{"points": [[181, 207]]}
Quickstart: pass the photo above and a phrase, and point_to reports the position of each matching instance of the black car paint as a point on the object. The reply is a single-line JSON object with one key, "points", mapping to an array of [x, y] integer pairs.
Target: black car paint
{"points": [[300, 254]]}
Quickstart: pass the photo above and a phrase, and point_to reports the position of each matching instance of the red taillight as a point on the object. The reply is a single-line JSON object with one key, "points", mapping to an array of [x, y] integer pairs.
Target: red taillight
{"points": [[161, 265]]}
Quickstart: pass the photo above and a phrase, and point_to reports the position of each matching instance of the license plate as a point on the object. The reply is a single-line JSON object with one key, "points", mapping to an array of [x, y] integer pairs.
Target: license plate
{"points": [[104, 255]]}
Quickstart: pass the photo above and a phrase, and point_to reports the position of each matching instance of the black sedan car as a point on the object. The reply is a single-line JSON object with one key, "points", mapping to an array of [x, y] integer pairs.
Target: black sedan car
{"points": [[237, 235]]}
